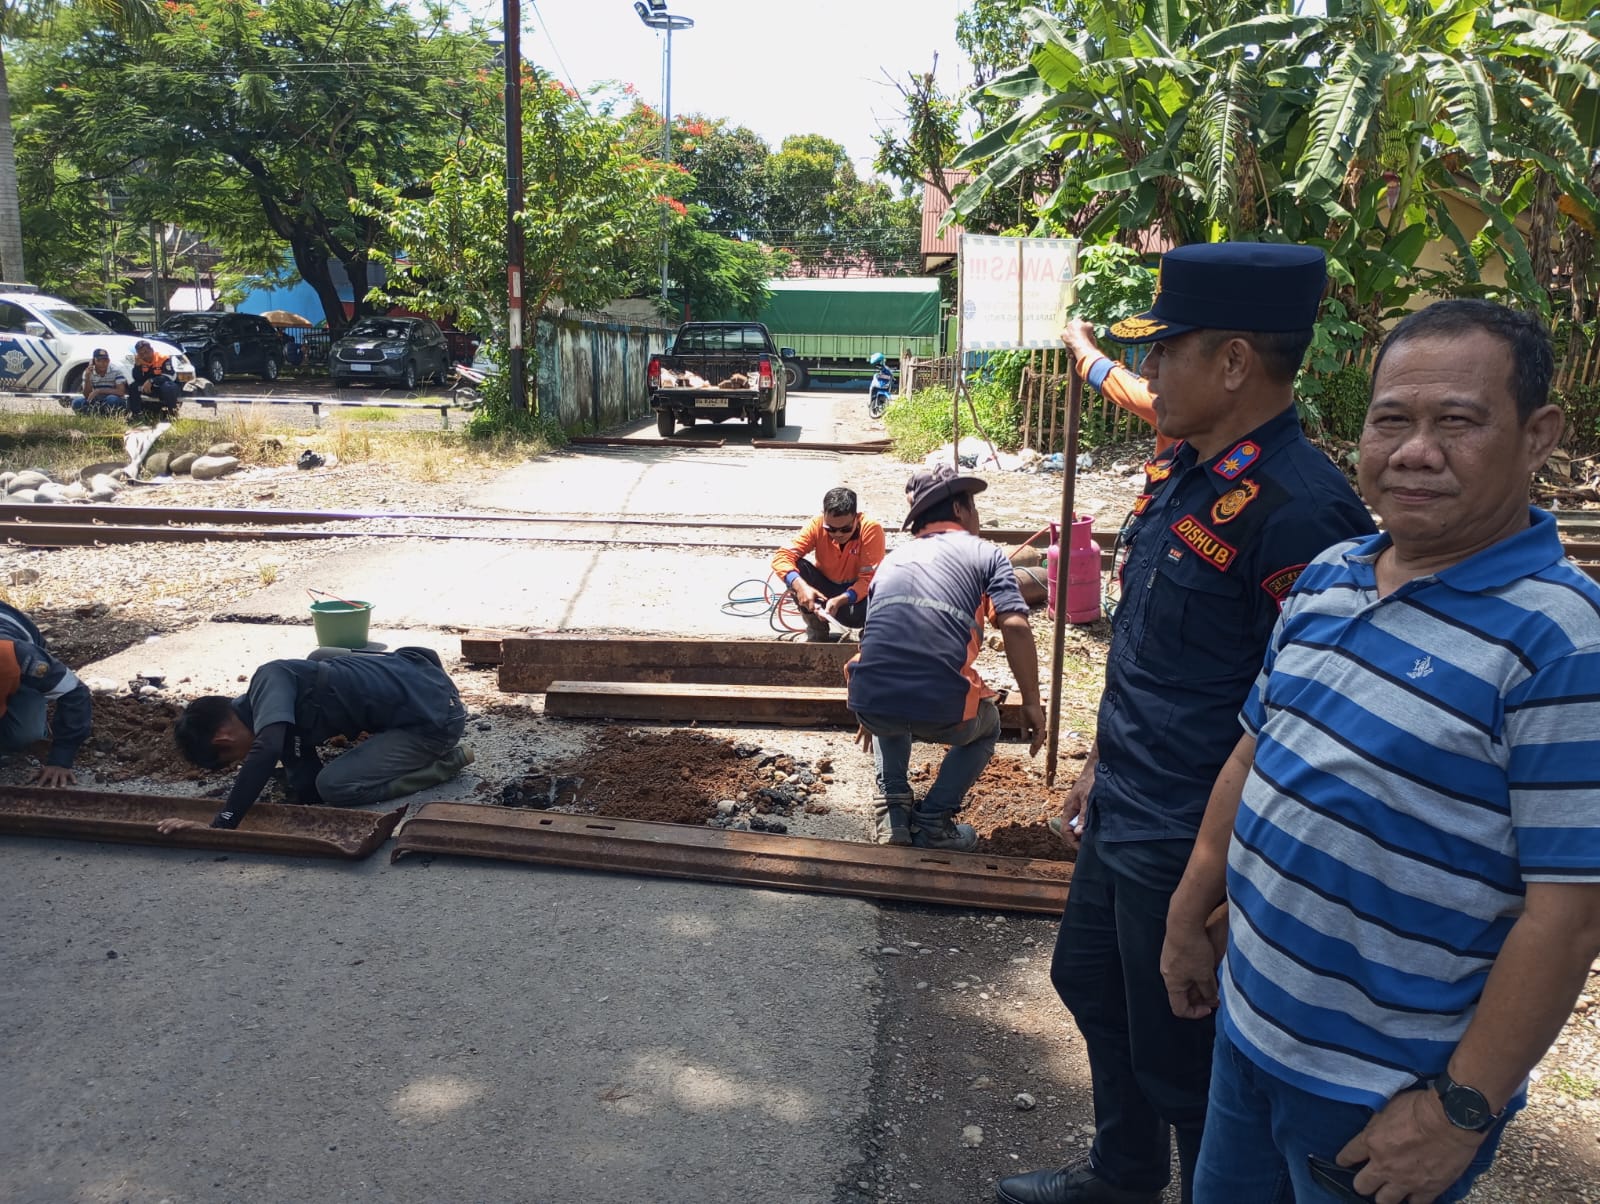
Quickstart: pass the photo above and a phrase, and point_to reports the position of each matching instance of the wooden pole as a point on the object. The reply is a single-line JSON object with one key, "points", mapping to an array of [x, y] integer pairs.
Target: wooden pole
{"points": [[1055, 368], [1069, 483]]}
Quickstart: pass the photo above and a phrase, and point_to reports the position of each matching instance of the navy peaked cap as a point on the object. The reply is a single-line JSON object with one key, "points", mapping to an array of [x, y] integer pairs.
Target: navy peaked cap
{"points": [[1250, 286]]}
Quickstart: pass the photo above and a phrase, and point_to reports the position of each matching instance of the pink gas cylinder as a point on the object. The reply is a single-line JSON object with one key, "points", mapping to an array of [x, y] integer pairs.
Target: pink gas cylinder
{"points": [[1083, 570]]}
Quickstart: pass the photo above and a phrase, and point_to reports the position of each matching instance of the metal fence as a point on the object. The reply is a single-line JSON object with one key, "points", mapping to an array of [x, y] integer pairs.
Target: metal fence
{"points": [[592, 369]]}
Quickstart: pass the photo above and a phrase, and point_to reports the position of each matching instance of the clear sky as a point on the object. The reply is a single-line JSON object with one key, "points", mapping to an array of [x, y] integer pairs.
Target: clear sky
{"points": [[800, 67]]}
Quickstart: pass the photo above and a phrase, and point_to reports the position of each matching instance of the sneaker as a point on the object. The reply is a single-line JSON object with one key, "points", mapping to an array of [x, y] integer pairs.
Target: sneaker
{"points": [[941, 832]]}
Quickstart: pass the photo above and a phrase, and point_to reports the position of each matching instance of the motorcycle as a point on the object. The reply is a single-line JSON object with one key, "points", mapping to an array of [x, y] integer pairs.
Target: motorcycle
{"points": [[882, 387]]}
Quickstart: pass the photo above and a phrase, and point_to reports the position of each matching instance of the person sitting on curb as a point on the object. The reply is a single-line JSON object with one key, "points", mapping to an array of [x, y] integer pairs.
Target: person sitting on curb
{"points": [[105, 386], [155, 385], [914, 677], [404, 700], [846, 548], [30, 679]]}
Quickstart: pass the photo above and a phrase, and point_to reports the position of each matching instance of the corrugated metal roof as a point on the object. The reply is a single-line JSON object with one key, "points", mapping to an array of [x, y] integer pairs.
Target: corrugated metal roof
{"points": [[934, 207]]}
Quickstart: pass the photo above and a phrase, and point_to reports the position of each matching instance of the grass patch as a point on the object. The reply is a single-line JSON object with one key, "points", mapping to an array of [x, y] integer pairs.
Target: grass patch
{"points": [[1574, 1086], [924, 420], [368, 414]]}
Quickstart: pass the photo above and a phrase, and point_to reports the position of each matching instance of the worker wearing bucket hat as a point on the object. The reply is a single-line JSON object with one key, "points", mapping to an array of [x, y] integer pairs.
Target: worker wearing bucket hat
{"points": [[914, 678], [1227, 518]]}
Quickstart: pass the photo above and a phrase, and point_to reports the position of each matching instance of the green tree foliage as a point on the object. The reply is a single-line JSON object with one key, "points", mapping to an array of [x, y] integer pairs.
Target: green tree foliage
{"points": [[263, 124], [1363, 130], [593, 212]]}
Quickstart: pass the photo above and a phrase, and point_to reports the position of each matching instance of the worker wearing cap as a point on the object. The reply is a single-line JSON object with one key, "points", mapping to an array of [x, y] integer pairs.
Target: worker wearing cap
{"points": [[105, 386], [914, 677], [30, 679], [845, 548], [1226, 521], [1115, 383], [155, 385]]}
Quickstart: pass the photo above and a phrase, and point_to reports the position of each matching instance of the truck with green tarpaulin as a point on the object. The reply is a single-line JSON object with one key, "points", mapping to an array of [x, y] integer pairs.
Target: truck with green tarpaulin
{"points": [[834, 325]]}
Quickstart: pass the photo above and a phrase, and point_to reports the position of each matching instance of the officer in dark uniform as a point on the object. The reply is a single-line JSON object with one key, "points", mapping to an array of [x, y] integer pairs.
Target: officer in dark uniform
{"points": [[1227, 519]]}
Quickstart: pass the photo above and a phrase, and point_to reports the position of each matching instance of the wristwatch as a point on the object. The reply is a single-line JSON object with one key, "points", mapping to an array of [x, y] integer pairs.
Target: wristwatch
{"points": [[1464, 1107]]}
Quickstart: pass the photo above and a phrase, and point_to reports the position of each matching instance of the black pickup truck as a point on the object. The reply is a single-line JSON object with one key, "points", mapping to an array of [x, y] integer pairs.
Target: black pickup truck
{"points": [[720, 370]]}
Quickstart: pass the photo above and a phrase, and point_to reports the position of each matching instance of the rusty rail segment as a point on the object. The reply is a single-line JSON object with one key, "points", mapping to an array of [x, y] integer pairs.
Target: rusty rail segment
{"points": [[686, 702], [874, 447], [132, 819], [624, 441], [747, 858], [528, 664], [118, 514]]}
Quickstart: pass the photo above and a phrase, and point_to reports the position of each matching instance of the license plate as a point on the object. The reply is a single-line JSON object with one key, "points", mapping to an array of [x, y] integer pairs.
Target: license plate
{"points": [[361, 367], [709, 403]]}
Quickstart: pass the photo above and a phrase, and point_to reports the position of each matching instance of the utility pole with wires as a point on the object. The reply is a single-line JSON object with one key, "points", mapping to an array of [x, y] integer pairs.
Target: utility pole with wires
{"points": [[516, 363]]}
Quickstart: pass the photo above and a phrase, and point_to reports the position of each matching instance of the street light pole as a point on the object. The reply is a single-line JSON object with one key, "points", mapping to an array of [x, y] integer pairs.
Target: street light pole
{"points": [[516, 363], [655, 15]]}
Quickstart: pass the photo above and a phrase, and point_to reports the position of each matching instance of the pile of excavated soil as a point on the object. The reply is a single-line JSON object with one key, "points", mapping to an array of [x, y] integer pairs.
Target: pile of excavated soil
{"points": [[673, 777], [132, 738], [1010, 808]]}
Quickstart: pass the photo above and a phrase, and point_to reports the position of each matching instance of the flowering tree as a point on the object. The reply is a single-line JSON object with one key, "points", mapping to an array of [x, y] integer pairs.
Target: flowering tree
{"points": [[593, 211]]}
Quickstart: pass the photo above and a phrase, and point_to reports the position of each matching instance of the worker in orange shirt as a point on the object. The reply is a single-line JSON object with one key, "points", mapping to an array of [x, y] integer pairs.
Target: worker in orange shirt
{"points": [[1127, 389], [845, 549]]}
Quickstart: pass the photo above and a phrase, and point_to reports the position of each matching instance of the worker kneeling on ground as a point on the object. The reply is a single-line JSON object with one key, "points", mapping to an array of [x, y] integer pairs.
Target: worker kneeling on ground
{"points": [[847, 549], [914, 677], [404, 700], [30, 678]]}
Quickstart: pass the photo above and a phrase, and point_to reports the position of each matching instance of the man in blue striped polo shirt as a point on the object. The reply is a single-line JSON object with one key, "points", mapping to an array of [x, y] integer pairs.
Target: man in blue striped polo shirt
{"points": [[1413, 877]]}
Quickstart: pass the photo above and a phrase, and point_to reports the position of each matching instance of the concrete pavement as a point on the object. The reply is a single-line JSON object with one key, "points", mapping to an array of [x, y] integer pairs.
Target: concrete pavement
{"points": [[184, 1027]]}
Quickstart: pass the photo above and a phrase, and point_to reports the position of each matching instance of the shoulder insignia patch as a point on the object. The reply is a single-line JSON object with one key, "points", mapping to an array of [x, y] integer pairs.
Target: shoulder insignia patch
{"points": [[1142, 502], [40, 668], [1239, 459], [1280, 583], [1213, 550], [1156, 471], [1229, 506]]}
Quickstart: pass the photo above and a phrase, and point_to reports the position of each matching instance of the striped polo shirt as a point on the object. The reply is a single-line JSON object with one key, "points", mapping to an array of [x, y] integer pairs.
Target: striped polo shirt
{"points": [[1420, 758]]}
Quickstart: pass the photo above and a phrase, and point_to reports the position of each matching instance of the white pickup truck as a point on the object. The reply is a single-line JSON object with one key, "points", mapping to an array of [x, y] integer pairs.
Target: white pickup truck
{"points": [[45, 344]]}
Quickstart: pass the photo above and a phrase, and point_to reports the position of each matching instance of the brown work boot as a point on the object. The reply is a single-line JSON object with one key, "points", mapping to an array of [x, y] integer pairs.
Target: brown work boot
{"points": [[818, 631]]}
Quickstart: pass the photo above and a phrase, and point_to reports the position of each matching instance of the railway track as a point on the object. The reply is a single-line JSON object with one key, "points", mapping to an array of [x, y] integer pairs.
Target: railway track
{"points": [[62, 526]]}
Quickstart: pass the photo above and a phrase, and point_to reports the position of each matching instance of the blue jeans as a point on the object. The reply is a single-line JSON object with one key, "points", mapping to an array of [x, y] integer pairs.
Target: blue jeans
{"points": [[971, 745], [1260, 1131]]}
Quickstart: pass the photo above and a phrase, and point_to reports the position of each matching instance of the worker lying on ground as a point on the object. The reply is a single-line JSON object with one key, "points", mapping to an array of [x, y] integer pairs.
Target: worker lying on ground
{"points": [[404, 700], [914, 678], [1116, 383], [846, 549], [30, 678]]}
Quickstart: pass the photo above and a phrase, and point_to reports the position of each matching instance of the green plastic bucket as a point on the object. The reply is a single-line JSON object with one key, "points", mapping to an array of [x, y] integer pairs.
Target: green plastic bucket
{"points": [[341, 624]]}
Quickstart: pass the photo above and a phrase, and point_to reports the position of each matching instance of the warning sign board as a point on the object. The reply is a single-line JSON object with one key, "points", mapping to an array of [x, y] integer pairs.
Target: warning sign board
{"points": [[1015, 291]]}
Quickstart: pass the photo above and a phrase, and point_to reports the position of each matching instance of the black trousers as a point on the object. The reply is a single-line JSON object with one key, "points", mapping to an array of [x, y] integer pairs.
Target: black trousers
{"points": [[851, 614], [1151, 1070]]}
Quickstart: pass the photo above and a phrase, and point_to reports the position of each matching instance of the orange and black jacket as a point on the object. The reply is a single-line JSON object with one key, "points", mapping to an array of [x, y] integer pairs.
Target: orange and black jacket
{"points": [[855, 563], [25, 664], [1126, 389]]}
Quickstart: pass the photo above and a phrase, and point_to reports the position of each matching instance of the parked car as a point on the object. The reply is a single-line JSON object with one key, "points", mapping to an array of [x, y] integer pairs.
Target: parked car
{"points": [[115, 320], [45, 344], [374, 349], [227, 344], [717, 371]]}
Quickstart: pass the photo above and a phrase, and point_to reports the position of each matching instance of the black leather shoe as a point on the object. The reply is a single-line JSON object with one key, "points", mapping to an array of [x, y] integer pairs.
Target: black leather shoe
{"points": [[1074, 1184]]}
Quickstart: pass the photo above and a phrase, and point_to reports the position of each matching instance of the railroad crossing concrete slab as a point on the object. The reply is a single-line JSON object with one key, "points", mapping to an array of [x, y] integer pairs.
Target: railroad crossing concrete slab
{"points": [[185, 1026], [585, 588], [667, 482], [218, 658]]}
